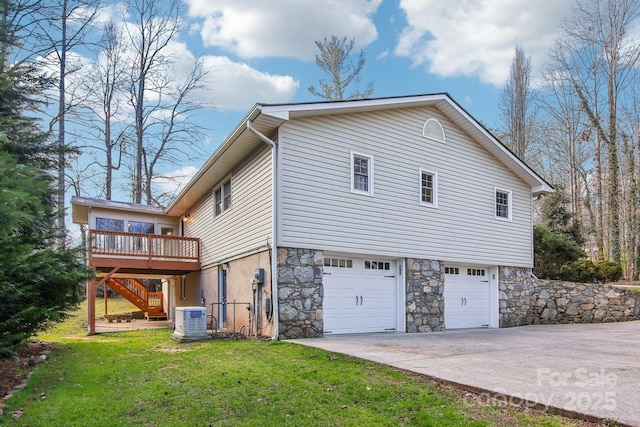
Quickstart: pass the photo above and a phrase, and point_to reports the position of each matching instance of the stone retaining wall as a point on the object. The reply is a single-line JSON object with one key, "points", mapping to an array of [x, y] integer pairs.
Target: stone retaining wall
{"points": [[425, 295], [525, 300], [300, 293]]}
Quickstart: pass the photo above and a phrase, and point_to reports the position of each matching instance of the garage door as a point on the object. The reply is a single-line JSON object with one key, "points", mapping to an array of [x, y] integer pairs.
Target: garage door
{"points": [[466, 297], [360, 295]]}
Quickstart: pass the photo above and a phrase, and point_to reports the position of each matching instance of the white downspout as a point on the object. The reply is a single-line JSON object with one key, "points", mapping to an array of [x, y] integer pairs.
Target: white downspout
{"points": [[274, 225]]}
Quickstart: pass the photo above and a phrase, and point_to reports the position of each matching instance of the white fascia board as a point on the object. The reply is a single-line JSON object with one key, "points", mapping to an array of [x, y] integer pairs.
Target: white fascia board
{"points": [[285, 111]]}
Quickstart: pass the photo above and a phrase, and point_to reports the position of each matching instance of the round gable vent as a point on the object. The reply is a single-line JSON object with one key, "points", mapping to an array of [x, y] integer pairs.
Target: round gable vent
{"points": [[432, 129]]}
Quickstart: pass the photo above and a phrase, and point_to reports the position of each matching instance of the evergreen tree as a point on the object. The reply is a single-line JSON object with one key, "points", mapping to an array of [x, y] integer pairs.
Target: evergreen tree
{"points": [[39, 279], [557, 240]]}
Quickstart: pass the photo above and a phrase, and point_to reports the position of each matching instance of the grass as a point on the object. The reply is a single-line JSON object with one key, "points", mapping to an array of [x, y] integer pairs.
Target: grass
{"points": [[146, 378]]}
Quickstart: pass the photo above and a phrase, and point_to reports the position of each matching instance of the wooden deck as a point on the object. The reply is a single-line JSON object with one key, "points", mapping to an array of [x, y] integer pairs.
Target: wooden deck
{"points": [[137, 252]]}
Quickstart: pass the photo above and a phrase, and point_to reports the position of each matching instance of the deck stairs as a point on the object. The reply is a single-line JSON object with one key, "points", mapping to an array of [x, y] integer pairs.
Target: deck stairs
{"points": [[151, 303]]}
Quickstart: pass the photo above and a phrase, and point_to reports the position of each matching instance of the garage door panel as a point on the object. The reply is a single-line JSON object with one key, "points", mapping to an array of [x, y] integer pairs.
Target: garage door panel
{"points": [[467, 294], [359, 299]]}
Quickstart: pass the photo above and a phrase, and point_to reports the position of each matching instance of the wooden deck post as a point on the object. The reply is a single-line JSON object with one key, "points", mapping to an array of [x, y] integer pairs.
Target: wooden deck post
{"points": [[91, 306], [91, 299]]}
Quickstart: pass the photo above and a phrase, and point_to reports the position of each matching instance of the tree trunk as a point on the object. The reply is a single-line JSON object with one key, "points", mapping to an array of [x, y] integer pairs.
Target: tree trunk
{"points": [[61, 126]]}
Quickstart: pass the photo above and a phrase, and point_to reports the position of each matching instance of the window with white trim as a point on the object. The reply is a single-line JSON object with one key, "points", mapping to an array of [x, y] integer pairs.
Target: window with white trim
{"points": [[503, 204], [222, 198], [361, 173], [428, 188]]}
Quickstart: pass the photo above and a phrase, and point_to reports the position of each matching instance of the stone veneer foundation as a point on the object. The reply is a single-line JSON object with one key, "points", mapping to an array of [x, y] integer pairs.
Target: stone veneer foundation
{"points": [[425, 295], [523, 299], [300, 293], [526, 300]]}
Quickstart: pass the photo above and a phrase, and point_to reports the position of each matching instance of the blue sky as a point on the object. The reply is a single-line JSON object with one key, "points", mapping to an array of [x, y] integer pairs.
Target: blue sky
{"points": [[263, 50], [414, 46]]}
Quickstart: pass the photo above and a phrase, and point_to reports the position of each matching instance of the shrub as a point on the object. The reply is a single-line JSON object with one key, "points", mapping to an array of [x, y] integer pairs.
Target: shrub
{"points": [[582, 271], [608, 271], [585, 271]]}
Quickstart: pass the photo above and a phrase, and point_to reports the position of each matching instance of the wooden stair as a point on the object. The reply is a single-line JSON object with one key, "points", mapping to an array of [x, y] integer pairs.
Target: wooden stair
{"points": [[138, 294]]}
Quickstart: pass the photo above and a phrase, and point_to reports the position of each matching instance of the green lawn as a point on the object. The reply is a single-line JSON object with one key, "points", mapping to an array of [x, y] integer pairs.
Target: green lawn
{"points": [[146, 378]]}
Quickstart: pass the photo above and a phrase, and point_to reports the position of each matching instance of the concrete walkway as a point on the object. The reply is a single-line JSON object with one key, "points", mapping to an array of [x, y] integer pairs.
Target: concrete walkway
{"points": [[591, 369]]}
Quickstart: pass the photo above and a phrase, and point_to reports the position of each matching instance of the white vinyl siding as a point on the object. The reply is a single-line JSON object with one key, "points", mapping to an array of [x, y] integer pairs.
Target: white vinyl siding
{"points": [[246, 227], [319, 211]]}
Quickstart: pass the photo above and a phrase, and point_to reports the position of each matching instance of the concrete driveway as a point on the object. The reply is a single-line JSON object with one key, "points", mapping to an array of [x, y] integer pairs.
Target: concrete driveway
{"points": [[591, 369]]}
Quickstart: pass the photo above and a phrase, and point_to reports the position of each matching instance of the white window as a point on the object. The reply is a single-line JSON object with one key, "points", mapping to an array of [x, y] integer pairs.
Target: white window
{"points": [[222, 198], [428, 188], [361, 173], [503, 204]]}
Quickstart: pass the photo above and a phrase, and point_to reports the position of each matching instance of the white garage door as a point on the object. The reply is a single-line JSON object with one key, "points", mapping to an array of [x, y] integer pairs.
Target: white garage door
{"points": [[466, 297], [360, 295]]}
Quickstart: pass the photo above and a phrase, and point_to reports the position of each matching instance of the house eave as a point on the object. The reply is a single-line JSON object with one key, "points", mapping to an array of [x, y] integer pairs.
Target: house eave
{"points": [[238, 145], [80, 208]]}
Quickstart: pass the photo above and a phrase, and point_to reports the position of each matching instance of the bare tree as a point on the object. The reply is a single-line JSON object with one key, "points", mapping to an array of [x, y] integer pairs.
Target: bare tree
{"points": [[332, 59], [64, 28], [596, 56], [161, 106], [176, 135], [155, 27], [631, 182], [104, 85], [517, 102]]}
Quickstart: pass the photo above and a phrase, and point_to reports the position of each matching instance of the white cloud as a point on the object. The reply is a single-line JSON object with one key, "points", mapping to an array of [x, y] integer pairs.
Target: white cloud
{"points": [[282, 28], [106, 13], [237, 86], [478, 37], [171, 182]]}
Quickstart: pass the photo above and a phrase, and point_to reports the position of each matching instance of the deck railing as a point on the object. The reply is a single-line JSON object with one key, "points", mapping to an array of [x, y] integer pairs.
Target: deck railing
{"points": [[138, 245]]}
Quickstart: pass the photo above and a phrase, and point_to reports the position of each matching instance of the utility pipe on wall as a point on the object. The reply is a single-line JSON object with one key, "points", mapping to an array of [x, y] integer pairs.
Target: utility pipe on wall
{"points": [[274, 225]]}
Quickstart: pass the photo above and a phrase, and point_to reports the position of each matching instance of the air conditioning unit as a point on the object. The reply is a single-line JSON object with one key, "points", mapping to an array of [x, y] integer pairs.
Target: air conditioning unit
{"points": [[191, 323]]}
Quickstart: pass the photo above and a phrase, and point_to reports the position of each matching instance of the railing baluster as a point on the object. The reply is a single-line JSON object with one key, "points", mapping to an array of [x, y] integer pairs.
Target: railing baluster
{"points": [[116, 243]]}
